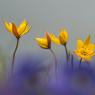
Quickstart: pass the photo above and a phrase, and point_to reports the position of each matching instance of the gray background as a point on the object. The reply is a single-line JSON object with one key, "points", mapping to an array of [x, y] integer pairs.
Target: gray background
{"points": [[47, 15]]}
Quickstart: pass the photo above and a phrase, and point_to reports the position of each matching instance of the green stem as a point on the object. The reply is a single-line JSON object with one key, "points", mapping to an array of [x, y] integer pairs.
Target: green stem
{"points": [[72, 59], [55, 59], [67, 56], [14, 54], [80, 63]]}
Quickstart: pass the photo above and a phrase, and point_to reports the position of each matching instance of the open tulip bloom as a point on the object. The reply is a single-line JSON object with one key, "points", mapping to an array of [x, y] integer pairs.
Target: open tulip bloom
{"points": [[85, 50], [18, 32]]}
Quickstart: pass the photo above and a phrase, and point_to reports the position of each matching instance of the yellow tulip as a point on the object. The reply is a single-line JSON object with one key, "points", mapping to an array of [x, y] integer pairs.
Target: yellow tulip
{"points": [[63, 36], [62, 39], [44, 42], [85, 50], [17, 31], [54, 39]]}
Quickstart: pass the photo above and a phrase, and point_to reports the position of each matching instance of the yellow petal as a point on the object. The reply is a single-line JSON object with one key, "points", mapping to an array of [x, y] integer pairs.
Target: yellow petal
{"points": [[92, 54], [22, 27], [63, 36], [42, 42], [89, 58], [64, 33], [91, 47], [79, 44], [87, 41], [54, 39], [8, 26], [26, 30], [14, 30]]}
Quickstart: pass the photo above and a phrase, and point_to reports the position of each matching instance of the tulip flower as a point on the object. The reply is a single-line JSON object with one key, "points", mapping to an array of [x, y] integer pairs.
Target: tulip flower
{"points": [[85, 50], [18, 32], [61, 40], [63, 36], [45, 43]]}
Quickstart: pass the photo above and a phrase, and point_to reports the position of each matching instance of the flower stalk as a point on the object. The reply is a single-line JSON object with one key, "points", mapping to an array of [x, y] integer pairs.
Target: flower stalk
{"points": [[80, 63], [66, 50], [14, 55], [55, 61], [72, 59]]}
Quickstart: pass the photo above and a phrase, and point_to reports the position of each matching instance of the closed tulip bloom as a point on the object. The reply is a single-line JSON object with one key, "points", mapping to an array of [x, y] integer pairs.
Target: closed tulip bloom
{"points": [[44, 42], [63, 36], [62, 39]]}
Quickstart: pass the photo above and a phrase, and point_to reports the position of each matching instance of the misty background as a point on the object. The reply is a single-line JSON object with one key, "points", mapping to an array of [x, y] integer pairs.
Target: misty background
{"points": [[78, 16]]}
